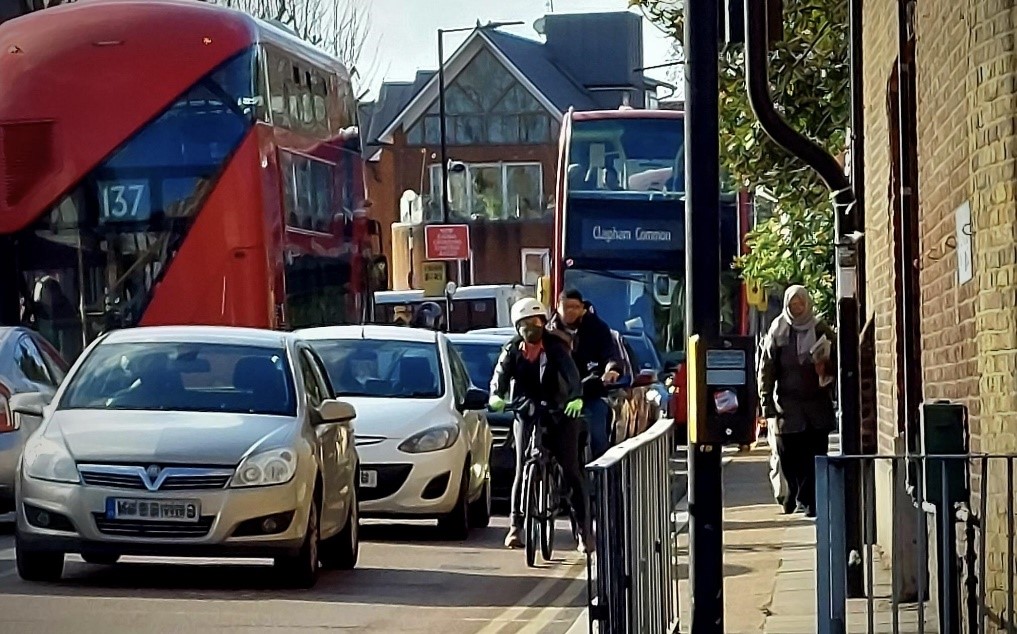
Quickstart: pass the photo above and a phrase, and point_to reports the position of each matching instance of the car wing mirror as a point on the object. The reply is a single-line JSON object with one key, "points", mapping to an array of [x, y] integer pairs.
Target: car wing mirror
{"points": [[29, 404], [476, 399], [333, 412]]}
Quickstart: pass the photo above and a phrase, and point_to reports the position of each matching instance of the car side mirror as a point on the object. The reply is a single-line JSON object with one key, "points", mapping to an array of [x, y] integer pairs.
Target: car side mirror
{"points": [[644, 378], [29, 404], [333, 411], [476, 399]]}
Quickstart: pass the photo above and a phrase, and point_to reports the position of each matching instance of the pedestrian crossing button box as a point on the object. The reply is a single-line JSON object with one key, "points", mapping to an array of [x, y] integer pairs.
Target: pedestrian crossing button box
{"points": [[722, 390]]}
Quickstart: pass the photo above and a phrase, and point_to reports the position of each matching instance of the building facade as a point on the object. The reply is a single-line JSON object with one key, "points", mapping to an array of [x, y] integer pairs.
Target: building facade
{"points": [[505, 96], [940, 86]]}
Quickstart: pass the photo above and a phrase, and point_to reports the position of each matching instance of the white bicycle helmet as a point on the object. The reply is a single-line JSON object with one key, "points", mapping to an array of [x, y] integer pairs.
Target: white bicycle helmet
{"points": [[526, 308]]}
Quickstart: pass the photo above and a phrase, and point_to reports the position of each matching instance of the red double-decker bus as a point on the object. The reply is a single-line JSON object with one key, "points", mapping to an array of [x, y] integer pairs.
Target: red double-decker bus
{"points": [[174, 162], [620, 229]]}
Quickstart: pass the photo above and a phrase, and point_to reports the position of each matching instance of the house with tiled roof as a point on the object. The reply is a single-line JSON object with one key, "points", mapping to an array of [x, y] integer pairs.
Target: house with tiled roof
{"points": [[505, 96]]}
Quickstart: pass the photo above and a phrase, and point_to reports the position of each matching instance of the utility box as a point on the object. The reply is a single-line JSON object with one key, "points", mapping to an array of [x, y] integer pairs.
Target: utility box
{"points": [[944, 432], [722, 390]]}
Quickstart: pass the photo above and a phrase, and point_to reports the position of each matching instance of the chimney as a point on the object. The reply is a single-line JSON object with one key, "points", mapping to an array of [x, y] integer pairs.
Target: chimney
{"points": [[601, 51]]}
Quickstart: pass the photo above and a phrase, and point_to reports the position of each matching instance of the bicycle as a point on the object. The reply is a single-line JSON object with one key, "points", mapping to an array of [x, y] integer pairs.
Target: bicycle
{"points": [[544, 486]]}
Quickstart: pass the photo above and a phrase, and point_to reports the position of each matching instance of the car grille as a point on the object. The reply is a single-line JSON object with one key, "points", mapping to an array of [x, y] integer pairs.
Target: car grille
{"points": [[112, 480], [169, 479], [154, 530], [391, 478]]}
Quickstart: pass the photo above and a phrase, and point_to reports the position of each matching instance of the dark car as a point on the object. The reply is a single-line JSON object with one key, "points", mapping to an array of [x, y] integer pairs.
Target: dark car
{"points": [[480, 353], [28, 364]]}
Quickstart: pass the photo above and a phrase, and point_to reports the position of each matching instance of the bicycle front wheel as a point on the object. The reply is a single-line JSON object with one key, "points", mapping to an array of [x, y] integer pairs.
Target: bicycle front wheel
{"points": [[532, 478], [548, 512]]}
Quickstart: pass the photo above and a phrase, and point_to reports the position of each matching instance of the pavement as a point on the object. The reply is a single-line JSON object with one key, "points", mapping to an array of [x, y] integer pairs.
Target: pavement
{"points": [[408, 580], [753, 529]]}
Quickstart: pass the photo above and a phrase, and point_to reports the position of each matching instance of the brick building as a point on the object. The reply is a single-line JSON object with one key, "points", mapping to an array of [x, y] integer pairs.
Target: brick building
{"points": [[505, 96], [954, 125]]}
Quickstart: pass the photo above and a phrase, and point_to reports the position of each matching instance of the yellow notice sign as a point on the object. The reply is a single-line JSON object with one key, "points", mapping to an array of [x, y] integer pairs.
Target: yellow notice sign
{"points": [[434, 279]]}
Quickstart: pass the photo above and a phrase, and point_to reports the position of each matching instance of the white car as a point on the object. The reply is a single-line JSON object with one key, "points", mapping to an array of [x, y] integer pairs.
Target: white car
{"points": [[422, 432]]}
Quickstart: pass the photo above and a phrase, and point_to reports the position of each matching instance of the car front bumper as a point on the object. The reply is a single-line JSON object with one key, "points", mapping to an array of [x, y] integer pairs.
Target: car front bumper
{"points": [[79, 523], [410, 485]]}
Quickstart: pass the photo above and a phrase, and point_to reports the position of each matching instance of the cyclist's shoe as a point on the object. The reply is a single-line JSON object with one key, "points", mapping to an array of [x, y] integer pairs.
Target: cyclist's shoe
{"points": [[587, 545], [513, 540]]}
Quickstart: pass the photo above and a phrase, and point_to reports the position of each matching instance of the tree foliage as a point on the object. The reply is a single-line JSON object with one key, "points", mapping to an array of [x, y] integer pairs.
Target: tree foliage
{"points": [[342, 28], [809, 81]]}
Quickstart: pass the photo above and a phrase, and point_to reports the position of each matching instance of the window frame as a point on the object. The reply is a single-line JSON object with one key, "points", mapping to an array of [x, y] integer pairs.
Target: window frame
{"points": [[435, 175]]}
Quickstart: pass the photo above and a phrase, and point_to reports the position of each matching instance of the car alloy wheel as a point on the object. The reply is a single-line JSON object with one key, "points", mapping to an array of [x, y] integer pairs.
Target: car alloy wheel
{"points": [[456, 524], [480, 509], [342, 551], [301, 570]]}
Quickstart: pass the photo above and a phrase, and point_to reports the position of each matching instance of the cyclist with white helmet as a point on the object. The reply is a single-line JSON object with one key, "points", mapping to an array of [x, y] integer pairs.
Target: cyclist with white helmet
{"points": [[542, 370]]}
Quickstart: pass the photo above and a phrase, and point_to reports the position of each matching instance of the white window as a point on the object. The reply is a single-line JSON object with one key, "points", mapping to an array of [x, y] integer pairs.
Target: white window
{"points": [[493, 191]]}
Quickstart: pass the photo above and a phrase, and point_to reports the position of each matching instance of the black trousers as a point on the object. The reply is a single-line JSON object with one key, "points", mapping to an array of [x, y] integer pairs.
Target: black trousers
{"points": [[797, 453], [563, 443]]}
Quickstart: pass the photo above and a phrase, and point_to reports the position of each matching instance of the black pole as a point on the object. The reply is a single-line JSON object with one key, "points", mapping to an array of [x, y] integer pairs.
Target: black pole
{"points": [[850, 220], [702, 267], [441, 124], [444, 142]]}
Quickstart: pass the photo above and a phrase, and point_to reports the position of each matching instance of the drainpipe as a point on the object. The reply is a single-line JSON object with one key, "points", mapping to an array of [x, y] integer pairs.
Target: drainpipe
{"points": [[848, 229]]}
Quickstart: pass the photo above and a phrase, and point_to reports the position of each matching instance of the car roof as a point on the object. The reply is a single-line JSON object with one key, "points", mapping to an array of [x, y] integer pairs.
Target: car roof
{"points": [[475, 337], [500, 330], [387, 333], [200, 334]]}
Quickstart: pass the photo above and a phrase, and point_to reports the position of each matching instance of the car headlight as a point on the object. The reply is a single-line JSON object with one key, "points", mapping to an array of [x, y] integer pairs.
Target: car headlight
{"points": [[47, 458], [434, 439], [267, 468]]}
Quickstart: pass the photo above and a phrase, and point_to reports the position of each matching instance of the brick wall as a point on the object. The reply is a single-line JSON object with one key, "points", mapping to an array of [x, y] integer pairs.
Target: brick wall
{"points": [[967, 152], [992, 89], [497, 245]]}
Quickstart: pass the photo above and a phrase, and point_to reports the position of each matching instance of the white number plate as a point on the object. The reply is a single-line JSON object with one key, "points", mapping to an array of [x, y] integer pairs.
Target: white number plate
{"points": [[153, 510], [369, 479]]}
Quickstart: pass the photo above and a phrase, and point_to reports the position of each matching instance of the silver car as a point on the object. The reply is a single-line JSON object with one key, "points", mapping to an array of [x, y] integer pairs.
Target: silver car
{"points": [[190, 441], [28, 364]]}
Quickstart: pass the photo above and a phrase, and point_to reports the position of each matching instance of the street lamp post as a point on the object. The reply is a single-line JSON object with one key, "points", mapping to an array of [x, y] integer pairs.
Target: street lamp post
{"points": [[445, 204], [441, 105]]}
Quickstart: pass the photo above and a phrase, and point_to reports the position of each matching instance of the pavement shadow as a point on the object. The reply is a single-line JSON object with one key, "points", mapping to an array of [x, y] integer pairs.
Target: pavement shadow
{"points": [[730, 570], [426, 534], [372, 586], [790, 522]]}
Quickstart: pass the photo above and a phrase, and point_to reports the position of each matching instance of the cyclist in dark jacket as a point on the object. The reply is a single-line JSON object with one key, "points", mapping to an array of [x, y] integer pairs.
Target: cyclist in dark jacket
{"points": [[540, 370], [596, 355]]}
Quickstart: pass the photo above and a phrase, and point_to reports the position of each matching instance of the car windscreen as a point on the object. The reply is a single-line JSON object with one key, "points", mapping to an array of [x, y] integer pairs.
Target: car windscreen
{"points": [[191, 377], [385, 369], [480, 359]]}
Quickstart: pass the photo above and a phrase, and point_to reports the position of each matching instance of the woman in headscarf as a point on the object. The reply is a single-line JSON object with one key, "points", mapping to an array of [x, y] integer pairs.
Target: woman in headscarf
{"points": [[795, 392]]}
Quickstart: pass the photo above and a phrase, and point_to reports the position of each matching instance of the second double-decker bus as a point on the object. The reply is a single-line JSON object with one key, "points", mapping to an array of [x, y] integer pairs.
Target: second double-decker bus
{"points": [[175, 162], [620, 227]]}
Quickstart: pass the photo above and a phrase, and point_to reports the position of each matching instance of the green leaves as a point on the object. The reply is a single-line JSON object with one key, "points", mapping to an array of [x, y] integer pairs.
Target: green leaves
{"points": [[809, 81]]}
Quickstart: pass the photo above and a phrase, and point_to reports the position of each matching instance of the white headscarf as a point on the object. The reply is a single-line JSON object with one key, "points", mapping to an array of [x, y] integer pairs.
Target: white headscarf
{"points": [[804, 326]]}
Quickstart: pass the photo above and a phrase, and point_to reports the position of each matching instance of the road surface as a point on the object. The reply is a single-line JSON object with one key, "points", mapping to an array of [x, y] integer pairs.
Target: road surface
{"points": [[408, 580]]}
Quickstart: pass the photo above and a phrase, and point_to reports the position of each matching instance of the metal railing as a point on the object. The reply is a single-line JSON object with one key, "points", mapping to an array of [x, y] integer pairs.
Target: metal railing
{"points": [[633, 578], [939, 544]]}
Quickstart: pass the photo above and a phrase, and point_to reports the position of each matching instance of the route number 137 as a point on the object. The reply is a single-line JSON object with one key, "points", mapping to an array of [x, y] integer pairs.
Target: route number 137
{"points": [[124, 200]]}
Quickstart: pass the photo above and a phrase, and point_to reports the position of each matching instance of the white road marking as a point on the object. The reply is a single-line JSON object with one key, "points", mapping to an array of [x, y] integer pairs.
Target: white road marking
{"points": [[556, 613], [570, 570]]}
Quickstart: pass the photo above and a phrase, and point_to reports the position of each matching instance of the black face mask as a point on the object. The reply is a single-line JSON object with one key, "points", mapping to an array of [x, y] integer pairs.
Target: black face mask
{"points": [[531, 334]]}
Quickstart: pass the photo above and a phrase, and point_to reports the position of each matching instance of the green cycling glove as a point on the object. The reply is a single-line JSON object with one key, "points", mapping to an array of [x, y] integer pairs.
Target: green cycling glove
{"points": [[574, 409], [496, 403]]}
